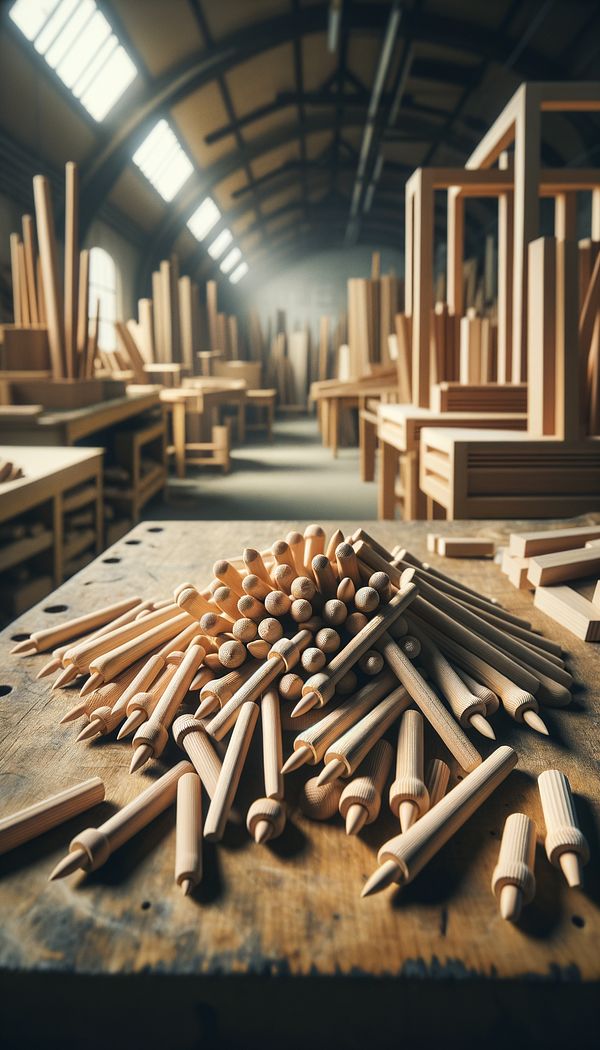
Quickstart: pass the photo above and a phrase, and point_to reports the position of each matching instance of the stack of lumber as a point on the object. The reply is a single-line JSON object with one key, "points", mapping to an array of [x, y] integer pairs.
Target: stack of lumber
{"points": [[51, 324], [547, 563], [307, 624], [170, 327], [372, 307]]}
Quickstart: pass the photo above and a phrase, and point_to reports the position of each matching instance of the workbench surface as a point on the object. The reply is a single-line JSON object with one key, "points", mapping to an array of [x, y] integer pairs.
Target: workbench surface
{"points": [[292, 907]]}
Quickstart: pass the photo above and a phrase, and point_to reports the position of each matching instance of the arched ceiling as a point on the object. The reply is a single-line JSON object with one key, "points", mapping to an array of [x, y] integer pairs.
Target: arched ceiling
{"points": [[274, 122]]}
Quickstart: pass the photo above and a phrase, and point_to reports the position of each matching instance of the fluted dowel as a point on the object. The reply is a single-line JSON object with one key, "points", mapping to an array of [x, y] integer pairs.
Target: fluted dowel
{"points": [[360, 801], [188, 836], [566, 845], [409, 798], [513, 880], [231, 771], [34, 820]]}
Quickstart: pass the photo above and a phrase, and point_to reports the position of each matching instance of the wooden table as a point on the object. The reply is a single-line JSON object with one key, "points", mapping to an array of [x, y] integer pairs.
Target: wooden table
{"points": [[277, 948], [66, 428]]}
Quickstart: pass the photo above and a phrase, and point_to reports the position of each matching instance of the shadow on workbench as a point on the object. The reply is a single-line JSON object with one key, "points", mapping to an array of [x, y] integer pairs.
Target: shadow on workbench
{"points": [[422, 1010]]}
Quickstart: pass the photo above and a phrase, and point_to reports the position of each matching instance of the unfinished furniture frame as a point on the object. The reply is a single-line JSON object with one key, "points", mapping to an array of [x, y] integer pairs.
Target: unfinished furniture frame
{"points": [[399, 430], [492, 472], [217, 394], [58, 483]]}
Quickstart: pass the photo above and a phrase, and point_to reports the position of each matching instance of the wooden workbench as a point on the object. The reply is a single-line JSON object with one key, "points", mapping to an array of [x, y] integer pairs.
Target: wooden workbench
{"points": [[69, 427], [276, 947]]}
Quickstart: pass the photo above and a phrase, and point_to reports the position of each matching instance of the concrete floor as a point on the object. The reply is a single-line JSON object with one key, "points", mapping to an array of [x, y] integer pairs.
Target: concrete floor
{"points": [[295, 477]]}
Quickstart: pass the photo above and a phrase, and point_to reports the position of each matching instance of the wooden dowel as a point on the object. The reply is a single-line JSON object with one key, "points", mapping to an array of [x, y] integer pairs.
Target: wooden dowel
{"points": [[270, 715], [543, 646], [23, 289], [111, 663], [83, 293], [467, 707], [409, 797], [141, 705], [190, 599], [314, 543], [565, 844], [324, 575], [319, 688], [47, 249], [346, 753], [295, 541], [283, 656], [227, 602], [255, 565], [513, 880], [216, 693], [151, 738], [50, 637], [436, 780], [491, 701], [32, 821], [188, 838], [320, 801], [107, 717], [311, 744], [231, 771], [347, 563], [15, 240], [82, 653], [403, 857], [190, 735], [429, 704], [91, 848], [360, 801]]}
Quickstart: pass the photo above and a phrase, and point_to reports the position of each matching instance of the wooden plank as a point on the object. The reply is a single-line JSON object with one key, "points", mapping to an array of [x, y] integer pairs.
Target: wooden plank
{"points": [[571, 610], [30, 266], [546, 569], [455, 238], [186, 322], [548, 541], [465, 547], [15, 240], [71, 264], [166, 311], [158, 311], [52, 296], [83, 307], [541, 339], [422, 286]]}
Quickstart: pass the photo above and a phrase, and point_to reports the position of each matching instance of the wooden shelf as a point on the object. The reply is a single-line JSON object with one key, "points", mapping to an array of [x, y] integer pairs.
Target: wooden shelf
{"points": [[21, 550]]}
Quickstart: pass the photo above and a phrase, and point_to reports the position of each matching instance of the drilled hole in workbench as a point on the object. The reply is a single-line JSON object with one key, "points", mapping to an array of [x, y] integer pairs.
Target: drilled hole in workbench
{"points": [[132, 543], [146, 905], [5, 690], [56, 608], [111, 561], [156, 528], [19, 637], [578, 921]]}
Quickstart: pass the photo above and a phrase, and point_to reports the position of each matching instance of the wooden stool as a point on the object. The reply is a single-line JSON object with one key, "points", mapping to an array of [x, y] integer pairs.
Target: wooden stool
{"points": [[263, 399], [185, 405]]}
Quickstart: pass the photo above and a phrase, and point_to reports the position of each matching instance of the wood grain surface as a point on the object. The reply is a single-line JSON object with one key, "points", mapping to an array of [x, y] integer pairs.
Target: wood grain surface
{"points": [[292, 907]]}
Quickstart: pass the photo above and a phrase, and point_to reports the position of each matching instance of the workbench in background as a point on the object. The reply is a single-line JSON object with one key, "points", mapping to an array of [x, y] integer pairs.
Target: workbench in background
{"points": [[276, 948], [132, 431], [51, 521]]}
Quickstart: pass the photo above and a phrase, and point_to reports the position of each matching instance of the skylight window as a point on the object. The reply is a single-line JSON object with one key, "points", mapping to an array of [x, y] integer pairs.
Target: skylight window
{"points": [[220, 243], [204, 218], [77, 41], [239, 272], [231, 260], [163, 161]]}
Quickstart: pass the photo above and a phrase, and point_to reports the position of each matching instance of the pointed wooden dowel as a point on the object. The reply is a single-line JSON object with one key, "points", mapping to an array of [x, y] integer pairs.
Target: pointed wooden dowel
{"points": [[255, 565], [231, 771], [346, 753], [333, 543], [295, 541], [216, 693], [282, 657], [360, 801], [91, 848], [403, 857], [60, 653], [35, 819], [151, 738], [105, 718], [565, 844], [429, 704], [346, 591], [324, 575], [513, 880], [224, 571], [283, 555], [188, 835], [82, 653], [409, 798], [51, 637], [319, 688], [141, 705], [311, 744], [517, 702], [468, 708], [227, 602], [491, 701], [314, 543], [111, 663]]}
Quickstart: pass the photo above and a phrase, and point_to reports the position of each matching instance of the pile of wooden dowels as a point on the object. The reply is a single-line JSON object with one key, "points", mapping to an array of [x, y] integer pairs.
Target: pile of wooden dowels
{"points": [[310, 624]]}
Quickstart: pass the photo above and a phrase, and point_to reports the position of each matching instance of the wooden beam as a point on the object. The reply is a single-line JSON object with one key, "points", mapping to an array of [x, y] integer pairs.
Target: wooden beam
{"points": [[47, 246], [71, 263]]}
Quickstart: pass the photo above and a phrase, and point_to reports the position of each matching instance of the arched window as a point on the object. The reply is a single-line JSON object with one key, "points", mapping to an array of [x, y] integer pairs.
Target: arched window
{"points": [[103, 287]]}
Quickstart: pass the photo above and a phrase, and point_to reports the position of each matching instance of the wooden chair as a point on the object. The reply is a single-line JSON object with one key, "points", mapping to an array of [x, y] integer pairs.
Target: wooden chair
{"points": [[184, 406], [257, 396]]}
